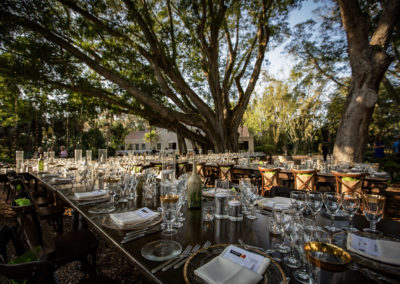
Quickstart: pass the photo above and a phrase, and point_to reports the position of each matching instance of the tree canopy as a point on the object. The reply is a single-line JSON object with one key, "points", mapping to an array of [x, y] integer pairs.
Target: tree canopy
{"points": [[182, 65]]}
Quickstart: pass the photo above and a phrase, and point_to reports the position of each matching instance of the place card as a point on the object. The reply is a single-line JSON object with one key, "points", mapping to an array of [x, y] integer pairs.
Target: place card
{"points": [[244, 258], [145, 212], [366, 245]]}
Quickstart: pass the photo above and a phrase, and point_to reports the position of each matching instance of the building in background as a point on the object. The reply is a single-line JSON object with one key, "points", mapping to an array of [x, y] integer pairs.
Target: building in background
{"points": [[167, 140]]}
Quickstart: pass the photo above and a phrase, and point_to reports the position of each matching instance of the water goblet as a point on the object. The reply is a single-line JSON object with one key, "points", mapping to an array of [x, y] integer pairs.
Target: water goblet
{"points": [[332, 204], [278, 210], [169, 202], [314, 201], [298, 200], [351, 204], [252, 197], [373, 206], [306, 234], [292, 223]]}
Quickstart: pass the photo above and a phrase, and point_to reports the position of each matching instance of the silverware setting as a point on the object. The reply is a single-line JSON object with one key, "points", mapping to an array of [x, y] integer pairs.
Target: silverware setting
{"points": [[142, 234], [89, 203], [183, 254], [206, 245], [194, 249]]}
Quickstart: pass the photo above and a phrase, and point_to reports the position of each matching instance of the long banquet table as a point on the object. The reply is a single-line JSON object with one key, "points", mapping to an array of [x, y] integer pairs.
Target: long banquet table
{"points": [[195, 231]]}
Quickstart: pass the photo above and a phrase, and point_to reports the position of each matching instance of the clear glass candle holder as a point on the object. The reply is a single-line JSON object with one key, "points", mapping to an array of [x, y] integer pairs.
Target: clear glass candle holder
{"points": [[208, 213]]}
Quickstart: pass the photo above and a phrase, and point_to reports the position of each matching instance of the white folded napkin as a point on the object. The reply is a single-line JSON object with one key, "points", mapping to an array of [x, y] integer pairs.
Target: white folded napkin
{"points": [[234, 266], [133, 217], [268, 203], [89, 194], [378, 249]]}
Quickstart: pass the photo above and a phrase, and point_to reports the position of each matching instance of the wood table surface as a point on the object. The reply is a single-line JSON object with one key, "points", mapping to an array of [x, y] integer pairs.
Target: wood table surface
{"points": [[195, 231]]}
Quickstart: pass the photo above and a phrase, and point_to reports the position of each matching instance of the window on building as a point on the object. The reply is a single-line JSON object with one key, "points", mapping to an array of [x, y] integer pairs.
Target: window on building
{"points": [[158, 146], [172, 146], [143, 146], [137, 146]]}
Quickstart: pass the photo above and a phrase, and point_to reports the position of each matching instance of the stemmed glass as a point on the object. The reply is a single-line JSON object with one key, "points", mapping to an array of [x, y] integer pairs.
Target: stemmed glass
{"points": [[292, 221], [298, 200], [314, 201], [332, 204], [351, 204], [373, 206], [278, 211], [252, 197], [182, 193], [169, 203], [124, 184], [112, 184], [305, 234]]}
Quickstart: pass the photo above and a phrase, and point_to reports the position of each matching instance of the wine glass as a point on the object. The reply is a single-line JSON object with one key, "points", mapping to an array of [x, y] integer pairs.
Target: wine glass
{"points": [[292, 222], [169, 202], [314, 201], [351, 204], [298, 200], [306, 234], [373, 206], [332, 204], [252, 197], [278, 210]]}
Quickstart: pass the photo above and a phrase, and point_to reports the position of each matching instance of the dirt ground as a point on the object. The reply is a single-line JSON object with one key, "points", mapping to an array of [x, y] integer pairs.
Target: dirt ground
{"points": [[110, 262]]}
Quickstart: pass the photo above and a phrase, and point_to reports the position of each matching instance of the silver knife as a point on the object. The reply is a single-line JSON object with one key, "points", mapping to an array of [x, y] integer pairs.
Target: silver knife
{"points": [[184, 253], [194, 249], [134, 237], [182, 262], [128, 234]]}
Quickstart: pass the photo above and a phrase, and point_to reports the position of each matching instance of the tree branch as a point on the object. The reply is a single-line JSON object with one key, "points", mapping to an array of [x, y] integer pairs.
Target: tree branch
{"points": [[387, 21]]}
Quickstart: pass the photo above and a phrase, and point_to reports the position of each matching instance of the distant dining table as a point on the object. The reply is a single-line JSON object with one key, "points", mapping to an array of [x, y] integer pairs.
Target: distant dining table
{"points": [[197, 231]]}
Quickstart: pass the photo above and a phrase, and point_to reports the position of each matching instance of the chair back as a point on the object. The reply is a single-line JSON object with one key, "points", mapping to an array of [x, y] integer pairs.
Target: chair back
{"points": [[304, 179], [181, 168], [269, 178], [225, 171], [349, 182]]}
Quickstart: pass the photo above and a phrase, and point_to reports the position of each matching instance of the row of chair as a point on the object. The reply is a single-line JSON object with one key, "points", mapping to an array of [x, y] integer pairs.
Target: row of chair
{"points": [[55, 251], [307, 180]]}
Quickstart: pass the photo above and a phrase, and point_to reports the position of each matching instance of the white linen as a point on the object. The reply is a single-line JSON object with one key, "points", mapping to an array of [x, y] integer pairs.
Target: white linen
{"points": [[382, 250], [133, 217], [268, 203], [89, 194], [221, 270]]}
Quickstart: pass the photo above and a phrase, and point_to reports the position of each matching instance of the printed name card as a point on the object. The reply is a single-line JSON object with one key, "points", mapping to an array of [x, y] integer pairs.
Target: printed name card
{"points": [[244, 258], [145, 212], [369, 246]]}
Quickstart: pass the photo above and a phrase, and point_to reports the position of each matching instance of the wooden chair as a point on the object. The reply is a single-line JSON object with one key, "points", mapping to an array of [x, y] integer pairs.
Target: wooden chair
{"points": [[269, 178], [304, 179], [225, 171], [61, 249], [345, 182], [181, 168]]}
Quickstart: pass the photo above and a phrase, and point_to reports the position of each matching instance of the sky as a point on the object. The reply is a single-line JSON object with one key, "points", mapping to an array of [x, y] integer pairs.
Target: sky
{"points": [[280, 62]]}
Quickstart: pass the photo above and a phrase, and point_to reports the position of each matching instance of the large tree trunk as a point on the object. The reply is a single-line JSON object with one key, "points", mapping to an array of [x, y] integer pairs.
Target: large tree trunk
{"points": [[369, 62], [181, 144], [353, 129]]}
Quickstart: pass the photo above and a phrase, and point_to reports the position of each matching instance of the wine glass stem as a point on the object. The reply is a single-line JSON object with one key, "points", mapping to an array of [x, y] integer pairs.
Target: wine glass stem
{"points": [[372, 225], [332, 219], [351, 221]]}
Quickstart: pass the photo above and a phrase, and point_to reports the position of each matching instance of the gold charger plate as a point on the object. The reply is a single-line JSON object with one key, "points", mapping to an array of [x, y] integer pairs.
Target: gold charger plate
{"points": [[272, 275], [340, 239], [108, 223]]}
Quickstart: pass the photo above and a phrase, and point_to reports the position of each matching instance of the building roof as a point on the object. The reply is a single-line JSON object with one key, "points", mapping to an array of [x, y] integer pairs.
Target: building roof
{"points": [[135, 135]]}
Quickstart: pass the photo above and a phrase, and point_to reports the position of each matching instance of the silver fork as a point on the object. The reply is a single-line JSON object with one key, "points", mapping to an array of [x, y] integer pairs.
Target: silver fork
{"points": [[206, 245], [183, 254], [194, 249]]}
